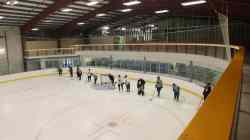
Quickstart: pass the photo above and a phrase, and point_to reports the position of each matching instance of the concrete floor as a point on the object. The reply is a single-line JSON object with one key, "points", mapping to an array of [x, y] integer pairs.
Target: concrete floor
{"points": [[243, 132]]}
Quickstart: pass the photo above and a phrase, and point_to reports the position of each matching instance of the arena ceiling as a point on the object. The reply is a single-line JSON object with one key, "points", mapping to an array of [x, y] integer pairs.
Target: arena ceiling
{"points": [[68, 15]]}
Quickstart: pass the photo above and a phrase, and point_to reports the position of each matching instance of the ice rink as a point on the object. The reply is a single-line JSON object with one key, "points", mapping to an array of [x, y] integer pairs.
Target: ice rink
{"points": [[62, 108]]}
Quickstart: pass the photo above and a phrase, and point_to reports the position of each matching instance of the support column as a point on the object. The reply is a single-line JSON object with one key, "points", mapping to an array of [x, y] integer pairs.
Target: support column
{"points": [[223, 20]]}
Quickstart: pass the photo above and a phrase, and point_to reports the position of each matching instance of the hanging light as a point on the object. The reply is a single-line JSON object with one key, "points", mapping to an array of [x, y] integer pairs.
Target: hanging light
{"points": [[133, 2], [80, 23], [161, 11], [126, 10], [92, 3], [105, 27], [35, 29], [190, 3], [123, 29], [101, 15], [66, 10], [11, 2]]}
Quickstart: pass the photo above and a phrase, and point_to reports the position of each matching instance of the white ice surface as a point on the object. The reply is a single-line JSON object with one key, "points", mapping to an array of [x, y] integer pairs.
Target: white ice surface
{"points": [[61, 108]]}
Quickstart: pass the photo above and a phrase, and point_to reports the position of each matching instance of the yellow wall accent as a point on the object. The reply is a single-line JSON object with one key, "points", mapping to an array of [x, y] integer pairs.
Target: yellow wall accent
{"points": [[30, 45], [215, 118]]}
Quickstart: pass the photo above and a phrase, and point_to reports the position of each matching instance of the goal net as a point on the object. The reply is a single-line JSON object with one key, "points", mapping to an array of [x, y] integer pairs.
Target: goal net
{"points": [[105, 80]]}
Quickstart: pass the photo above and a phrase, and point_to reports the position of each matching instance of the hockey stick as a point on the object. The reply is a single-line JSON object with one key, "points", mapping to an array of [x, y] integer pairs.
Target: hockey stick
{"points": [[151, 99]]}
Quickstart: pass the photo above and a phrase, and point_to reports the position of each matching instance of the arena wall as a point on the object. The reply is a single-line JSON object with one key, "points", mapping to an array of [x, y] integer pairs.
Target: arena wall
{"points": [[192, 88], [200, 60]]}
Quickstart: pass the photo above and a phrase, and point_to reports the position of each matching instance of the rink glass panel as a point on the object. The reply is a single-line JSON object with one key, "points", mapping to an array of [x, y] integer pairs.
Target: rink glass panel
{"points": [[188, 71]]}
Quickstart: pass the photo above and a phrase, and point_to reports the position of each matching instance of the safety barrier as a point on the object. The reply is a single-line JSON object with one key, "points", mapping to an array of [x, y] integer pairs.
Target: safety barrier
{"points": [[216, 118], [213, 50]]}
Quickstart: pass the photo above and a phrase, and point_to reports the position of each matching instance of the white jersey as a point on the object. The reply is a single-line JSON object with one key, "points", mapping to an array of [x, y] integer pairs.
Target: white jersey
{"points": [[126, 80], [89, 73], [120, 80]]}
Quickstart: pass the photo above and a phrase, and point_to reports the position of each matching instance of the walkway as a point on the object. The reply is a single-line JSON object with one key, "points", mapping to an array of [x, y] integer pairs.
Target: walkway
{"points": [[244, 116]]}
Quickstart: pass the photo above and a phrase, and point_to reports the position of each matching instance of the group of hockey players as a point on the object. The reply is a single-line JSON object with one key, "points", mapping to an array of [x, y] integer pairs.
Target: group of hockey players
{"points": [[124, 81]]}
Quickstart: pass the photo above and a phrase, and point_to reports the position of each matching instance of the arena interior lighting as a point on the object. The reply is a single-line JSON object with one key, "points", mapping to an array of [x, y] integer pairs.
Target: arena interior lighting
{"points": [[11, 2], [80, 23], [123, 29], [105, 27], [47, 21], [91, 3], [151, 25], [101, 15], [161, 11], [35, 29], [130, 3], [2, 51], [66, 10], [126, 10], [190, 3]]}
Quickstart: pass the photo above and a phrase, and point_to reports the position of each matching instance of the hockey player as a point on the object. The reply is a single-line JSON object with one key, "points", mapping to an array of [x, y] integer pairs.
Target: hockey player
{"points": [[176, 90], [112, 79], [60, 71], [95, 78], [120, 83], [178, 93], [71, 71], [207, 90], [158, 85], [79, 73], [140, 86], [89, 75], [127, 83]]}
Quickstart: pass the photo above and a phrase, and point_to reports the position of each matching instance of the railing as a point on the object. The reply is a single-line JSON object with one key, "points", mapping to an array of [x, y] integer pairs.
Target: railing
{"points": [[53, 51], [216, 118], [214, 50]]}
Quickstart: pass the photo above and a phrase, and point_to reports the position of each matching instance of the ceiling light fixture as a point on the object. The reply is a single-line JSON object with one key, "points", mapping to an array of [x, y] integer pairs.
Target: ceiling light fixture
{"points": [[151, 25], [101, 15], [47, 20], [2, 51], [126, 10], [123, 29], [11, 2], [130, 3], [161, 11], [1, 17], [91, 3], [105, 27], [80, 23], [190, 3], [66, 10], [34, 29]]}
